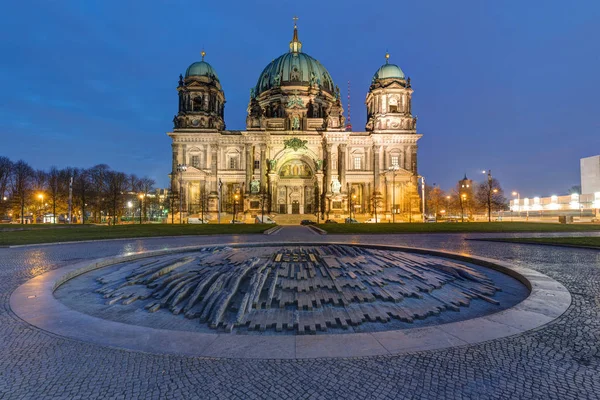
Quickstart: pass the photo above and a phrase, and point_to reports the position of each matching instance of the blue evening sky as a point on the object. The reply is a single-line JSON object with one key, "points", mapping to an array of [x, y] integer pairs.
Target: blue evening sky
{"points": [[507, 85]]}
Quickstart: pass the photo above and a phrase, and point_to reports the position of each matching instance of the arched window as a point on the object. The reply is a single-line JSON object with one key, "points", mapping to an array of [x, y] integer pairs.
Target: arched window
{"points": [[393, 105], [232, 157], [195, 157]]}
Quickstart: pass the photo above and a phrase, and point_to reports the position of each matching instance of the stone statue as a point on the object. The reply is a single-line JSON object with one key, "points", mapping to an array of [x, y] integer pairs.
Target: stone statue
{"points": [[277, 79], [272, 165], [180, 80], [336, 186], [295, 123], [252, 93], [408, 82], [175, 122], [295, 75], [254, 186], [313, 78], [319, 165]]}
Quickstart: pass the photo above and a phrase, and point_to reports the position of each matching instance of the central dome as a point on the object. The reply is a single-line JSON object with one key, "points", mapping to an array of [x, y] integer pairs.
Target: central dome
{"points": [[294, 69]]}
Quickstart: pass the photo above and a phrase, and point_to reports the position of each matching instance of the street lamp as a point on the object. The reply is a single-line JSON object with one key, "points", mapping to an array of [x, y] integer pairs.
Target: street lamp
{"points": [[422, 195], [353, 204], [394, 168], [235, 200], [141, 205], [518, 202], [220, 188], [41, 197], [463, 198], [489, 193], [129, 205], [181, 168]]}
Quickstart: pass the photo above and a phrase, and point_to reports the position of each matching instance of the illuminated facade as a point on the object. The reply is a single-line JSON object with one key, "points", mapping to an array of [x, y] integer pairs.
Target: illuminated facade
{"points": [[572, 202], [295, 155]]}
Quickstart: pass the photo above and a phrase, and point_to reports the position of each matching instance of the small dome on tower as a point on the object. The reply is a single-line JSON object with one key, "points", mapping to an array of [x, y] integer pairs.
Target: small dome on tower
{"points": [[201, 68], [388, 70]]}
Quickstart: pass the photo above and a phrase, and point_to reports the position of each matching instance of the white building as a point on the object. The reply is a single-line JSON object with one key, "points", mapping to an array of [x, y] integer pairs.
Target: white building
{"points": [[590, 174]]}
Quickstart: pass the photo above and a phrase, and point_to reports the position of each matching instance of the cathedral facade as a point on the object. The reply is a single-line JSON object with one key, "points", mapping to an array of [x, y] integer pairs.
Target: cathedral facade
{"points": [[296, 155]]}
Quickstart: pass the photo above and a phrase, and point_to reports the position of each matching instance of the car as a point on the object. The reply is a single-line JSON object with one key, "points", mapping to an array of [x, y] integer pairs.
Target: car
{"points": [[307, 222], [197, 221], [452, 220], [330, 221], [430, 220], [373, 221], [263, 220], [350, 221], [236, 221]]}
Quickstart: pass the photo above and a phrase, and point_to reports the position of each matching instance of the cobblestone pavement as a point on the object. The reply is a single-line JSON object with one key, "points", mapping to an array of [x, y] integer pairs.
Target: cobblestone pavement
{"points": [[558, 361]]}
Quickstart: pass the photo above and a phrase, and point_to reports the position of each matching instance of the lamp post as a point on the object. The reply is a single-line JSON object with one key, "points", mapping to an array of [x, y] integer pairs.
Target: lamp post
{"points": [[463, 198], [141, 196], [422, 196], [518, 202], [129, 205], [220, 189], [489, 193], [354, 205], [394, 168], [181, 168], [41, 197], [235, 200]]}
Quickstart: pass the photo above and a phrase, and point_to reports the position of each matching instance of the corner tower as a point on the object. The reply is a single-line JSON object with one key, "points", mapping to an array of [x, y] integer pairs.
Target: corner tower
{"points": [[201, 99], [389, 101]]}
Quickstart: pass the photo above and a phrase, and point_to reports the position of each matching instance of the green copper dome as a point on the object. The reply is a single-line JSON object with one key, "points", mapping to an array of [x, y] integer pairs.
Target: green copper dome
{"points": [[388, 70], [201, 68], [294, 68]]}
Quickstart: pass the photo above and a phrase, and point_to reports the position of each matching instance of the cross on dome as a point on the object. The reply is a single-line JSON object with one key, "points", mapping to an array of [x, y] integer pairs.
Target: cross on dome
{"points": [[295, 44]]}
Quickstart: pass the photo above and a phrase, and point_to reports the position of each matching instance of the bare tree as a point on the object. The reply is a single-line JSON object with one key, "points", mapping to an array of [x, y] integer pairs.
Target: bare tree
{"points": [[435, 199], [99, 191], [82, 186], [54, 188], [6, 168], [146, 185], [22, 183], [489, 195], [117, 185]]}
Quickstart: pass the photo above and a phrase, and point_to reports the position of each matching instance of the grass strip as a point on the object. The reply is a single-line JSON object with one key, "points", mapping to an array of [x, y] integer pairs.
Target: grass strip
{"points": [[587, 242], [460, 227], [97, 232]]}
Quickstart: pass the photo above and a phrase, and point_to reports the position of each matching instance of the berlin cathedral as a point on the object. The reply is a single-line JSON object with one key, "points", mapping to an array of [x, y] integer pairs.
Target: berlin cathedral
{"points": [[296, 155]]}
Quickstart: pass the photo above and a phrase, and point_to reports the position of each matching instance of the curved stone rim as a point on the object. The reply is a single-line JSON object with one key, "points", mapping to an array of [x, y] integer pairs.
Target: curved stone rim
{"points": [[34, 303]]}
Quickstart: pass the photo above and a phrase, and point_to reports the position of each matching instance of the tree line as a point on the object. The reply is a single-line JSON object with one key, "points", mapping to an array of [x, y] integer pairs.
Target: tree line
{"points": [[464, 202], [99, 194]]}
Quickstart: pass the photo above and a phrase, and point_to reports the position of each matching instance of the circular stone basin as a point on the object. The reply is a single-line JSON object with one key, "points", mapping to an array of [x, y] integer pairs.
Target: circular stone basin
{"points": [[291, 290]]}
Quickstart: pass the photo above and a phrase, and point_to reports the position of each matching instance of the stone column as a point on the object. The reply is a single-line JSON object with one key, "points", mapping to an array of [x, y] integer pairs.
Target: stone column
{"points": [[214, 149], [263, 167], [342, 164], [376, 178], [329, 169], [273, 191], [175, 148], [249, 165]]}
